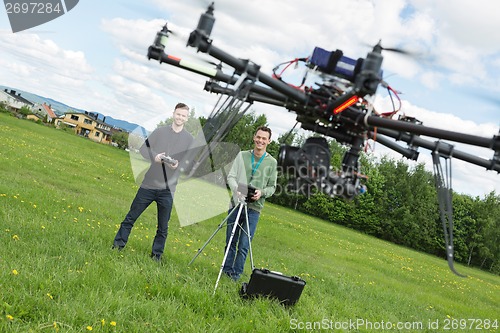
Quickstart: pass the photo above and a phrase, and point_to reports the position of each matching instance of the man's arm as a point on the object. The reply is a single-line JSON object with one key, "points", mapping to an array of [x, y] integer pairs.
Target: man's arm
{"points": [[235, 173], [146, 149], [271, 183]]}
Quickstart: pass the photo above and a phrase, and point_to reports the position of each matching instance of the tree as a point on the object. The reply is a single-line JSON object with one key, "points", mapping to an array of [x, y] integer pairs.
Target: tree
{"points": [[121, 139], [242, 133], [489, 252], [25, 111], [481, 230]]}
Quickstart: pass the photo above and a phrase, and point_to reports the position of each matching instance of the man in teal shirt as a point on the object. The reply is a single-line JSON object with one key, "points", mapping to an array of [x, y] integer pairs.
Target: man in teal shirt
{"points": [[259, 169]]}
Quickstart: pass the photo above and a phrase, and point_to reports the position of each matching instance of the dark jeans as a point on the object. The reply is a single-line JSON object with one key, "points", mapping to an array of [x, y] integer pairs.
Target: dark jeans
{"points": [[142, 200], [235, 260]]}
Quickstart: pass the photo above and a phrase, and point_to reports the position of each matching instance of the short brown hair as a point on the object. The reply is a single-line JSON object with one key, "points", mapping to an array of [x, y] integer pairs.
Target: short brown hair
{"points": [[181, 106], [265, 129]]}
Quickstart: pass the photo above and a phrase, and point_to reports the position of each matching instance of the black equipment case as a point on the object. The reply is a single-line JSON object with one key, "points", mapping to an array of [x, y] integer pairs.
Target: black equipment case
{"points": [[264, 282]]}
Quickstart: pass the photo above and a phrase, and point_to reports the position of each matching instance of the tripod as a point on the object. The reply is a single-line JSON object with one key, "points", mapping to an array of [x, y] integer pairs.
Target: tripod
{"points": [[241, 206]]}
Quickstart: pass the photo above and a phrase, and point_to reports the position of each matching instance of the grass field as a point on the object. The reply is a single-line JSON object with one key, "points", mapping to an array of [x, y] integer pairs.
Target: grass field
{"points": [[62, 198]]}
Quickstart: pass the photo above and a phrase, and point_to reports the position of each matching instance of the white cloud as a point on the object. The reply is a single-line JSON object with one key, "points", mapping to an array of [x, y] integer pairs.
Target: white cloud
{"points": [[471, 23], [37, 64], [431, 80], [463, 41], [17, 69]]}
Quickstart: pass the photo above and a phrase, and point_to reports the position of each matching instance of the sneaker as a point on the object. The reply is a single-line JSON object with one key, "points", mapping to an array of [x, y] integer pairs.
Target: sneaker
{"points": [[114, 247], [156, 257], [231, 276]]}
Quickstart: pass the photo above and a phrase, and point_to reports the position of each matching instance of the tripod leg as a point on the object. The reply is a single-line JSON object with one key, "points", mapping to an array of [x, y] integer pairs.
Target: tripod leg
{"points": [[249, 238], [236, 224], [213, 235]]}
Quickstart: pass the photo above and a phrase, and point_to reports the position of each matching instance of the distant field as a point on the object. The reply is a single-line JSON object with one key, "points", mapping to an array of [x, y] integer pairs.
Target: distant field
{"points": [[62, 198]]}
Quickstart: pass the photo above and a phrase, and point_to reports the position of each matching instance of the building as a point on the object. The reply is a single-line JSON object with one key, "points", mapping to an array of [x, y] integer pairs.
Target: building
{"points": [[34, 117], [13, 100], [44, 110], [88, 125]]}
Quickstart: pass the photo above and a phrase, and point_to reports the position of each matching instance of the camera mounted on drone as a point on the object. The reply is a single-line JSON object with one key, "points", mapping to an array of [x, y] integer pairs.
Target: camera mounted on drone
{"points": [[308, 169]]}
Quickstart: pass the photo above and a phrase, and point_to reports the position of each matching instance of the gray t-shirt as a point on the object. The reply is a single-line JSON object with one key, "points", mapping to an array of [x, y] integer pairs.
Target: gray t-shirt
{"points": [[175, 145]]}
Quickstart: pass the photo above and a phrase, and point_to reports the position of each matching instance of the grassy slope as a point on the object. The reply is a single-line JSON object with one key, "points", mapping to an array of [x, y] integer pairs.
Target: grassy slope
{"points": [[62, 198]]}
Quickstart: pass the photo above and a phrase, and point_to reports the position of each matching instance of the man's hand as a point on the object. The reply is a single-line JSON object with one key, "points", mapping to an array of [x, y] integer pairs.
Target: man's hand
{"points": [[159, 157], [257, 195], [173, 166]]}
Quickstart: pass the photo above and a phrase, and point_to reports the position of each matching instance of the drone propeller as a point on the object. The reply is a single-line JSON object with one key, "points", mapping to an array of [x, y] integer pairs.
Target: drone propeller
{"points": [[218, 66], [174, 33], [380, 48]]}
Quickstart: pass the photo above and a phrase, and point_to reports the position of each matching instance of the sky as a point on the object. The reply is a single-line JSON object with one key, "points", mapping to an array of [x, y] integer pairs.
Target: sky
{"points": [[94, 58]]}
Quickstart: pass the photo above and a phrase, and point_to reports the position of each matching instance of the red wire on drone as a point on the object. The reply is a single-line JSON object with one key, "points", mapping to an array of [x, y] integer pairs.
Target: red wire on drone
{"points": [[392, 113], [288, 64]]}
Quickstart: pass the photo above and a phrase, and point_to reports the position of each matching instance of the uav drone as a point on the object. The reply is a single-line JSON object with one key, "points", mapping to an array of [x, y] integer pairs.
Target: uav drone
{"points": [[338, 108]]}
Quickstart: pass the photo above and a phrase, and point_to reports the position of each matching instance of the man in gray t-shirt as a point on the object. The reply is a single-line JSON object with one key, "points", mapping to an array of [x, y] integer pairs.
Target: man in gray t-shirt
{"points": [[164, 148]]}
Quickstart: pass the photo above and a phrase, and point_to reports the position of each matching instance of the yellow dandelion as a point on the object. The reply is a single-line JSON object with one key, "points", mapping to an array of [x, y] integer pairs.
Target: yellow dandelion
{"points": [[15, 237], [50, 296], [103, 322], [80, 209], [9, 317], [89, 328], [113, 323], [3, 195], [43, 227], [34, 206]]}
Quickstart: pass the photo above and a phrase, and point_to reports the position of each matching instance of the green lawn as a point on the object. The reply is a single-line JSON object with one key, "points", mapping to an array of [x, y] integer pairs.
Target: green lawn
{"points": [[62, 198]]}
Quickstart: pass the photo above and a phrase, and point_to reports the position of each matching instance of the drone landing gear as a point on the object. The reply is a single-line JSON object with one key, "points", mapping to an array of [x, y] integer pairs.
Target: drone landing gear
{"points": [[444, 193]]}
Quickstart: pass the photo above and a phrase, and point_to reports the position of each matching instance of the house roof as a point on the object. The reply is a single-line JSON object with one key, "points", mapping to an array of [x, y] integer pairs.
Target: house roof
{"points": [[104, 131], [93, 116], [49, 110], [17, 96]]}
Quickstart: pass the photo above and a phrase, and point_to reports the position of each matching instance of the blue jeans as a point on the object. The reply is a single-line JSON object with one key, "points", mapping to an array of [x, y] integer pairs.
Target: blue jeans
{"points": [[143, 198], [235, 260]]}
